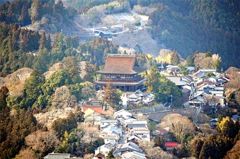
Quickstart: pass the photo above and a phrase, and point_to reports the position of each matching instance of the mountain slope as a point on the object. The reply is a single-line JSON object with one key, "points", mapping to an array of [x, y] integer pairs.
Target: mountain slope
{"points": [[207, 26]]}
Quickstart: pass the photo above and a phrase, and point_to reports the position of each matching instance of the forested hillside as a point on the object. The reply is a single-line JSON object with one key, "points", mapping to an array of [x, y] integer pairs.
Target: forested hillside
{"points": [[189, 26]]}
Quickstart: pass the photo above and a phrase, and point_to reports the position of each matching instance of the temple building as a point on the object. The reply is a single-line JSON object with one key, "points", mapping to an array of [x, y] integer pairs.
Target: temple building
{"points": [[119, 72]]}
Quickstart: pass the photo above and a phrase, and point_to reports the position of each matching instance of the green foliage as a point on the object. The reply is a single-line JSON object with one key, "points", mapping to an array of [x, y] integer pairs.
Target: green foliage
{"points": [[163, 89], [16, 12], [190, 60], [58, 79], [29, 11], [66, 125], [72, 68], [72, 143], [94, 145], [188, 26], [152, 79], [13, 42], [183, 70], [76, 90], [97, 50], [32, 90]]}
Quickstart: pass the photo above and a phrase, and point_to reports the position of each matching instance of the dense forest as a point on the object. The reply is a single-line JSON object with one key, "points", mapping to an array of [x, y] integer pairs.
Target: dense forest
{"points": [[28, 11], [208, 26]]}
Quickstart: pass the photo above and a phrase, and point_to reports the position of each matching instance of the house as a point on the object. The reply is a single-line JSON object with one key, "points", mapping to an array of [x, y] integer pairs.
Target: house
{"points": [[104, 149], [173, 70], [122, 114], [204, 72], [213, 122], [190, 69], [170, 145], [105, 123], [134, 98], [139, 129], [57, 156], [207, 90], [92, 117], [120, 73], [236, 118], [60, 156], [137, 97], [209, 94], [111, 133], [121, 135], [127, 147], [133, 155], [95, 105], [177, 80], [148, 98]]}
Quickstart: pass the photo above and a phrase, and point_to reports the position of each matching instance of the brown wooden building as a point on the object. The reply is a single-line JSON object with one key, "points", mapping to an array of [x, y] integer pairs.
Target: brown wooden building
{"points": [[119, 73]]}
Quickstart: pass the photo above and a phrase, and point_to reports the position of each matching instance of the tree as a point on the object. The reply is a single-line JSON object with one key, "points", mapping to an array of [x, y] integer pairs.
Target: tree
{"points": [[215, 147], [164, 89], [43, 41], [3, 96], [42, 142], [168, 56], [107, 94], [175, 59], [196, 146], [32, 90], [61, 126], [234, 153], [72, 143], [111, 96], [72, 68], [228, 127], [41, 62], [152, 79], [182, 127], [110, 155], [190, 61], [35, 10], [26, 153], [56, 80], [14, 128]]}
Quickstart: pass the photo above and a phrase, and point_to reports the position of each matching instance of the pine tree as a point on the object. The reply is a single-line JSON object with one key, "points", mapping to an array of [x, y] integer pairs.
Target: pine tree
{"points": [[43, 41], [35, 10]]}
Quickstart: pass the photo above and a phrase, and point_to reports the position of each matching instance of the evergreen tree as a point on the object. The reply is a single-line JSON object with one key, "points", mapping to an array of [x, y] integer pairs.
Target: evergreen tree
{"points": [[3, 96], [35, 10]]}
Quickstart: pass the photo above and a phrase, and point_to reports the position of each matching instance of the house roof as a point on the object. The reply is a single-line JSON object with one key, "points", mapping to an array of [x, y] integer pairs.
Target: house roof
{"points": [[57, 156], [177, 80], [119, 64], [96, 109], [122, 113], [171, 144], [133, 155], [130, 146]]}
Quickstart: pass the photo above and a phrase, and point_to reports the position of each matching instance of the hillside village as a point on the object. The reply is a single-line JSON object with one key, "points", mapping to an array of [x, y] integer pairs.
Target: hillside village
{"points": [[123, 130]]}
